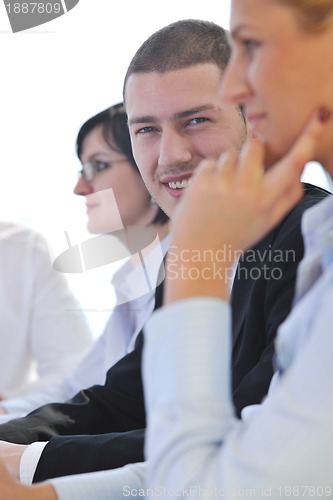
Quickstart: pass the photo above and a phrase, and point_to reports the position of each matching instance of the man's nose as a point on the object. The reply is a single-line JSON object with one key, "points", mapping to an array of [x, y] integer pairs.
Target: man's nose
{"points": [[175, 149]]}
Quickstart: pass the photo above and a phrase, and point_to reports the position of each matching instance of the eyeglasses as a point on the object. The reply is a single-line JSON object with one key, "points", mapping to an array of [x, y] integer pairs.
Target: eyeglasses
{"points": [[91, 168]]}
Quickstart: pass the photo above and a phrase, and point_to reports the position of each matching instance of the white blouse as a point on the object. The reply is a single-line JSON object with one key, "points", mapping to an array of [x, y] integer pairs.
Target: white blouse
{"points": [[43, 332]]}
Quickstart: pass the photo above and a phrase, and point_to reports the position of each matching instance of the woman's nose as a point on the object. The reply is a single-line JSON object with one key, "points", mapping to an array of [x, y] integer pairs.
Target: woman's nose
{"points": [[235, 89], [83, 187]]}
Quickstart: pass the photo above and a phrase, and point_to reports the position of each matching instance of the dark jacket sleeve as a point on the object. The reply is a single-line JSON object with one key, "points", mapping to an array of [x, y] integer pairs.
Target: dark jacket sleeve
{"points": [[266, 286], [90, 431], [100, 428], [66, 455]]}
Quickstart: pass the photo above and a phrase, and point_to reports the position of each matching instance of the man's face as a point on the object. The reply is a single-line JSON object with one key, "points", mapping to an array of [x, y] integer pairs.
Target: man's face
{"points": [[176, 119]]}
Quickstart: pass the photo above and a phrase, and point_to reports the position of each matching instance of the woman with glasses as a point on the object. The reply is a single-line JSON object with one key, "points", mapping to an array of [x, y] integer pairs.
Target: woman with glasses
{"points": [[115, 197], [109, 172]]}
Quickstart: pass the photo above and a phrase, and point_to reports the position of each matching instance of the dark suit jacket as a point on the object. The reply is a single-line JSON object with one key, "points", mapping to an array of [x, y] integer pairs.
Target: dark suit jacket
{"points": [[261, 299], [103, 427]]}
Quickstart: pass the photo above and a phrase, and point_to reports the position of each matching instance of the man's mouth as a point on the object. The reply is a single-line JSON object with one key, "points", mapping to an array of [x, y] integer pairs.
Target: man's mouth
{"points": [[179, 184]]}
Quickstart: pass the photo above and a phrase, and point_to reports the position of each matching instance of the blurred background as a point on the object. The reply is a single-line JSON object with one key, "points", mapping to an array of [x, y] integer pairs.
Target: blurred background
{"points": [[53, 78]]}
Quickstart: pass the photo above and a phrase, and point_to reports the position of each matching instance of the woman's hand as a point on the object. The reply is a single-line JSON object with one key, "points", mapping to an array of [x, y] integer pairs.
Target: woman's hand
{"points": [[230, 205]]}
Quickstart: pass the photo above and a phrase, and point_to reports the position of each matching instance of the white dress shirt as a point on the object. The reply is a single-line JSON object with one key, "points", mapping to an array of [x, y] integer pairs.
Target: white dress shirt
{"points": [[196, 447], [134, 284], [44, 333]]}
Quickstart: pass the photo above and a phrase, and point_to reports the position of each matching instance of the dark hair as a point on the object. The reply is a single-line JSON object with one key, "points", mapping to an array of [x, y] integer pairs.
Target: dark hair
{"points": [[116, 135], [180, 45]]}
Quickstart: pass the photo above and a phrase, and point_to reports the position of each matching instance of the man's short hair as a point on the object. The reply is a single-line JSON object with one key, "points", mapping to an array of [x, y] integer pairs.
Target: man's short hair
{"points": [[179, 45]]}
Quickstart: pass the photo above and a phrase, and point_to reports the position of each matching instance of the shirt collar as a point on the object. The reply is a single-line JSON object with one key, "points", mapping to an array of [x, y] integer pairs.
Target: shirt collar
{"points": [[138, 276], [317, 228]]}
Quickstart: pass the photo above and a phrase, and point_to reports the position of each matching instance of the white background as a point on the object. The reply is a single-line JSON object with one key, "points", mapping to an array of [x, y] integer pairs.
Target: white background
{"points": [[53, 78]]}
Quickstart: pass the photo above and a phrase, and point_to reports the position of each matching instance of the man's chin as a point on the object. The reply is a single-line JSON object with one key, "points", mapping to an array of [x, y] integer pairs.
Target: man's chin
{"points": [[167, 209]]}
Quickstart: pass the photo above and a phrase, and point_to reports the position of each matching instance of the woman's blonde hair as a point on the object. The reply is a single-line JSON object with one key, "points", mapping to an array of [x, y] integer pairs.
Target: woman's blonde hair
{"points": [[313, 15]]}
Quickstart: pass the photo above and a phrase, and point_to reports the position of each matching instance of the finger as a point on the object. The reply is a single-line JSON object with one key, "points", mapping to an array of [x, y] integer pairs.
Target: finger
{"points": [[208, 169], [280, 193], [251, 169], [206, 165], [289, 169], [282, 187], [205, 169], [305, 147], [226, 164]]}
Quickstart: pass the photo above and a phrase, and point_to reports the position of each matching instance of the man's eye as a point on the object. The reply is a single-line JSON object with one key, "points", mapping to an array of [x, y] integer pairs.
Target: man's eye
{"points": [[198, 120], [145, 130]]}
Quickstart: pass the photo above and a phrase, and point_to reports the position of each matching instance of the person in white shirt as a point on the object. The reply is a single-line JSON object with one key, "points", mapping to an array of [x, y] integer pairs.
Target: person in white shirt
{"points": [[44, 333], [282, 71], [109, 176]]}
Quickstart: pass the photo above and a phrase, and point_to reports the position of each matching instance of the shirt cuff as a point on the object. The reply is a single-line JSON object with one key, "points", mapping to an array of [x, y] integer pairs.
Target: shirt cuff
{"points": [[29, 461], [183, 340], [115, 484]]}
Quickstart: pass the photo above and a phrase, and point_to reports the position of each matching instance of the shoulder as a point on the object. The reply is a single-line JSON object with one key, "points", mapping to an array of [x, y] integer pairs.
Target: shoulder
{"points": [[17, 234], [312, 196]]}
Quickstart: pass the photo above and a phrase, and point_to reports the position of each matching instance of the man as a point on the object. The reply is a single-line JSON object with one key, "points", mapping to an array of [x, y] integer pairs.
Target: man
{"points": [[176, 118]]}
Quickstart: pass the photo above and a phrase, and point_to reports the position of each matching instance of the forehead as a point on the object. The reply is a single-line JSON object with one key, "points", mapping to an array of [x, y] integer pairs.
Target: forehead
{"points": [[94, 143], [266, 16], [93, 138], [164, 94], [248, 6]]}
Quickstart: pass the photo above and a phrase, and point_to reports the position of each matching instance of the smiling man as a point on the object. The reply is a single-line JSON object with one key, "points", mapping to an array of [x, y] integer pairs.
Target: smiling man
{"points": [[177, 118], [178, 121]]}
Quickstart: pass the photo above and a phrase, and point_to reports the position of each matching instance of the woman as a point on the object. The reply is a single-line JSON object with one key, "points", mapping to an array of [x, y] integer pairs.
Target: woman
{"points": [[109, 173], [282, 71], [115, 196]]}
